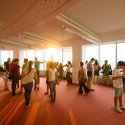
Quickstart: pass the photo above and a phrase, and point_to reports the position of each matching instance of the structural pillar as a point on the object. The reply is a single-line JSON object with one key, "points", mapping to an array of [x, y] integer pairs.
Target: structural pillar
{"points": [[76, 59]]}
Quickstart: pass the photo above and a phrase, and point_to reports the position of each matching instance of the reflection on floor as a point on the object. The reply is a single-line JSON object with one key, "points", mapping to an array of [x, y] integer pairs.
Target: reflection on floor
{"points": [[70, 108]]}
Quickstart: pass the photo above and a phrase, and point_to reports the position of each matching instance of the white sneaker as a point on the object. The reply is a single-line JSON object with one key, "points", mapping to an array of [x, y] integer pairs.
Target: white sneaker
{"points": [[27, 106], [122, 107], [118, 109]]}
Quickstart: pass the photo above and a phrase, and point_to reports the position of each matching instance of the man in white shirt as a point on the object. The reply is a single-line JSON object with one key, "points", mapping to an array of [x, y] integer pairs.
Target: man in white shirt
{"points": [[118, 86]]}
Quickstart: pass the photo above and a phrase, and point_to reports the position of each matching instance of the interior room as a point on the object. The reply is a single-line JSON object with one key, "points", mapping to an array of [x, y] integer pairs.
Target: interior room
{"points": [[61, 31]]}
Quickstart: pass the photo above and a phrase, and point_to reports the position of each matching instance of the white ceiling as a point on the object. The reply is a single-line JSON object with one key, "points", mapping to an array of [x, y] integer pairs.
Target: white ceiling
{"points": [[33, 23]]}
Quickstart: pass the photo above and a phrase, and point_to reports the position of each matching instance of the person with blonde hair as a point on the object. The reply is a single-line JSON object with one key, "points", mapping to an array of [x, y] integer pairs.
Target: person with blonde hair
{"points": [[52, 81]]}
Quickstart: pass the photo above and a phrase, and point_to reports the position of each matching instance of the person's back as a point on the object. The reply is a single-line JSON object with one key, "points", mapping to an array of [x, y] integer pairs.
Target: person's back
{"points": [[60, 71], [27, 80], [51, 79], [14, 71], [51, 74]]}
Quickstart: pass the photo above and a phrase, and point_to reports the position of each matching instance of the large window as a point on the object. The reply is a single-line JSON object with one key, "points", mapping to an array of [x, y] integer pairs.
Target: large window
{"points": [[108, 52], [91, 52], [67, 54], [101, 53], [120, 51], [30, 55], [4, 55], [54, 54]]}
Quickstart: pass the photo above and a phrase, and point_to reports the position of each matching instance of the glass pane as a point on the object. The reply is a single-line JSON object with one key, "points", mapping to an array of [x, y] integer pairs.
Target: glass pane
{"points": [[108, 52], [30, 55], [48, 54], [40, 56], [11, 54], [4, 56], [58, 55], [67, 55], [120, 51], [91, 52], [53, 54], [21, 57]]}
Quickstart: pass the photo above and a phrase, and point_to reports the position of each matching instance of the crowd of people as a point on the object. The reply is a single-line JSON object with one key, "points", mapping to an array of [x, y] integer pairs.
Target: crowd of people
{"points": [[29, 75], [92, 68]]}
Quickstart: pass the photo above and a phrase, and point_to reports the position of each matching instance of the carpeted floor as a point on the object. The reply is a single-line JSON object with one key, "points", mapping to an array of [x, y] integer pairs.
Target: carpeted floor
{"points": [[70, 108]]}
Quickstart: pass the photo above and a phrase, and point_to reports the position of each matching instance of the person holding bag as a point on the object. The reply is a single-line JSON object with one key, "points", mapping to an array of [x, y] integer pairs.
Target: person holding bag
{"points": [[28, 74]]}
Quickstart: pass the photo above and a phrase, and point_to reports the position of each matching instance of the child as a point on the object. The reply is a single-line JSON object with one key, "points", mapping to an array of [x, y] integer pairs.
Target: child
{"points": [[118, 86]]}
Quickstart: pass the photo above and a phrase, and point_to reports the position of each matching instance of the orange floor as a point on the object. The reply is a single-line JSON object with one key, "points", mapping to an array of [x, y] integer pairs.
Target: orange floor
{"points": [[70, 108]]}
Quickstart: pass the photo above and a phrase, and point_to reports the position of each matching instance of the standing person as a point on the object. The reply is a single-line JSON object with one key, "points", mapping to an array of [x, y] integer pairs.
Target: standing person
{"points": [[123, 79], [52, 81], [96, 71], [60, 71], [69, 73], [6, 64], [27, 80], [106, 68], [25, 65], [90, 72], [6, 72], [47, 83], [82, 78], [86, 62], [118, 86], [15, 74], [4, 75], [37, 67]]}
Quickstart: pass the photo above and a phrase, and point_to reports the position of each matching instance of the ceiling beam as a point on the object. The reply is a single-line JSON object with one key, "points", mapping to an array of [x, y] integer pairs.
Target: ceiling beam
{"points": [[13, 44], [39, 39], [85, 33]]}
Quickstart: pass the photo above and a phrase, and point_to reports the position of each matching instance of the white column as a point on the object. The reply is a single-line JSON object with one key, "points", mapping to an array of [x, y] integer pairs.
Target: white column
{"points": [[76, 59], [16, 53]]}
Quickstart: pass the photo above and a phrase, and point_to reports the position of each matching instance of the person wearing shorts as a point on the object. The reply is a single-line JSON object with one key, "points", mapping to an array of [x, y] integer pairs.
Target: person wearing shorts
{"points": [[117, 76]]}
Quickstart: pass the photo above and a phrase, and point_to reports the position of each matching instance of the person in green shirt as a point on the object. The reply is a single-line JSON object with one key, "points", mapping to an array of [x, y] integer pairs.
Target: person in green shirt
{"points": [[106, 68], [37, 67], [26, 64]]}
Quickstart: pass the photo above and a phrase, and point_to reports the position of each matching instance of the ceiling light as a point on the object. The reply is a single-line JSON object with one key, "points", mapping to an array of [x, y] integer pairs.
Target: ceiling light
{"points": [[79, 30]]}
